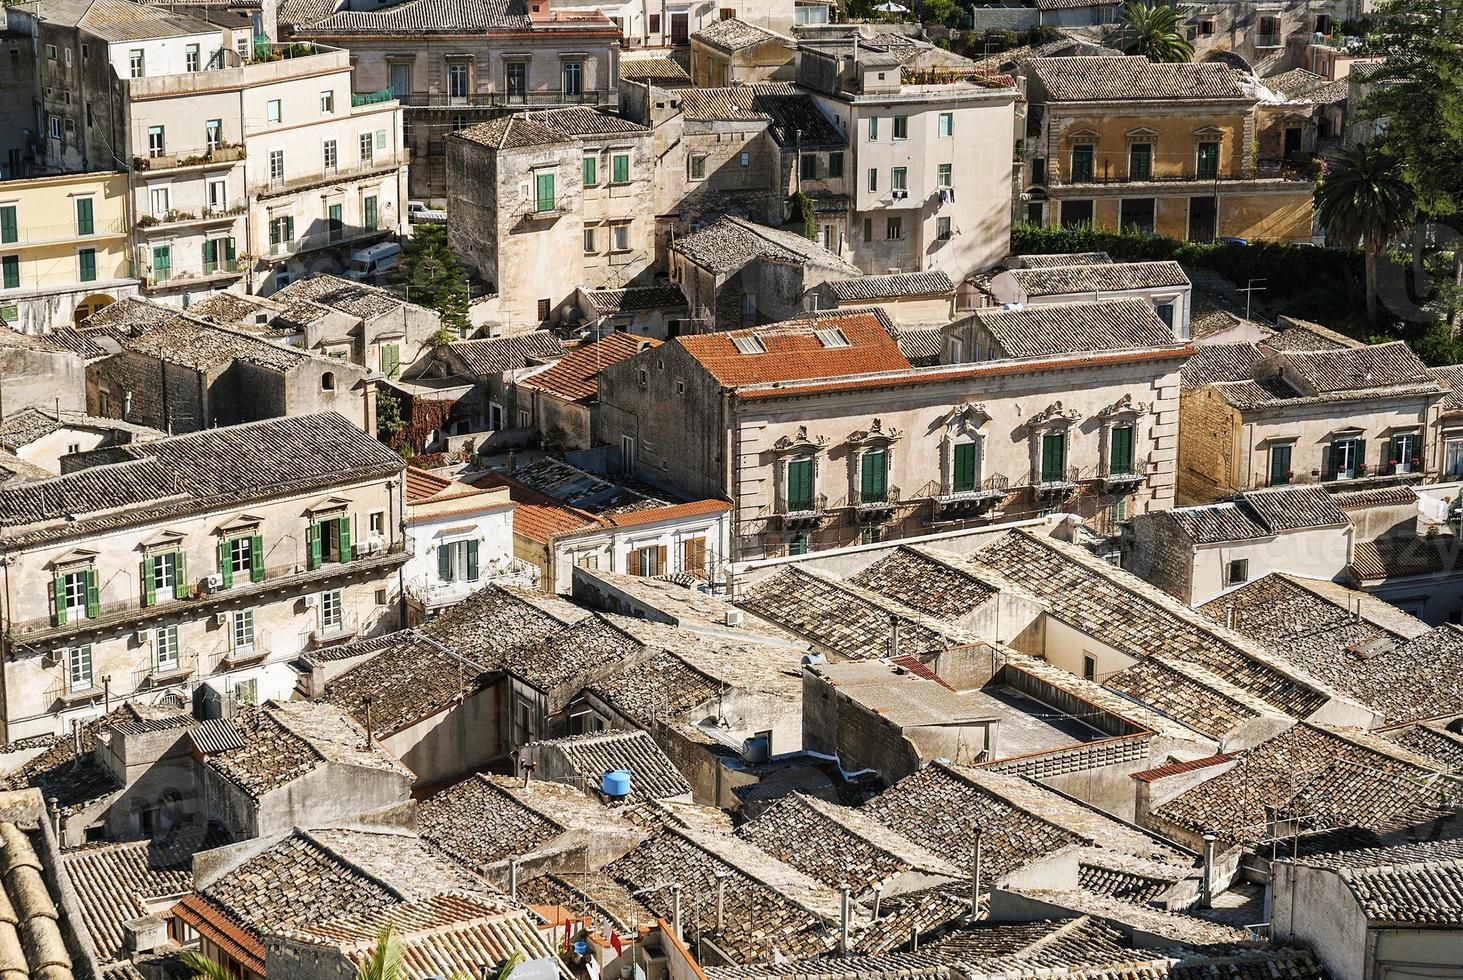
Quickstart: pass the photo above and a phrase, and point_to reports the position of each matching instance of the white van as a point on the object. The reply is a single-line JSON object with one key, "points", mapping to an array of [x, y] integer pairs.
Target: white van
{"points": [[368, 263]]}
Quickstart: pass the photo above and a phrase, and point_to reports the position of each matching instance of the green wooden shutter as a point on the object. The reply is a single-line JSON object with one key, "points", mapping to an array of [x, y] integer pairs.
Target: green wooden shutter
{"points": [[875, 475], [313, 537], [444, 563], [545, 187], [180, 574], [149, 583], [1052, 447], [1328, 464], [590, 166], [343, 538], [58, 614], [800, 485], [84, 223], [87, 259], [225, 563], [93, 596], [1120, 459], [472, 561], [9, 228], [964, 467], [1360, 457], [622, 169], [256, 558]]}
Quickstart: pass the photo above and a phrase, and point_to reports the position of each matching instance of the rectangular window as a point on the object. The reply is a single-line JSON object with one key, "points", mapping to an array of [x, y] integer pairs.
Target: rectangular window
{"points": [[391, 360], [874, 476], [646, 561], [901, 127], [835, 163], [87, 265], [213, 133], [329, 156], [192, 59], [589, 241], [899, 179], [516, 75], [156, 141], [272, 111], [964, 468], [1140, 161], [1347, 456], [243, 631], [165, 648], [457, 80], [1120, 451], [947, 124], [1208, 161], [329, 541], [868, 229], [332, 610], [9, 225], [873, 180], [942, 229], [572, 79], [10, 269], [1280, 465], [158, 199], [368, 151], [620, 238], [808, 167], [698, 167], [135, 63], [1089, 667], [591, 167], [457, 561], [1453, 459], [894, 229], [1054, 457], [1237, 571], [78, 668], [544, 191], [162, 263], [327, 101], [276, 165], [945, 172], [873, 128], [799, 485], [85, 224], [1165, 313], [1082, 162], [240, 558], [620, 168], [1405, 457]]}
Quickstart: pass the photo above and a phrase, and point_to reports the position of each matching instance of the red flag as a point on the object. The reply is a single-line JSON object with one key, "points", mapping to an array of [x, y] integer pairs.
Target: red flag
{"points": [[615, 942]]}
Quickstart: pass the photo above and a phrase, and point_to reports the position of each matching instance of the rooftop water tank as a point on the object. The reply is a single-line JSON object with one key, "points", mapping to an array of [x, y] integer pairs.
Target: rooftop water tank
{"points": [[616, 783]]}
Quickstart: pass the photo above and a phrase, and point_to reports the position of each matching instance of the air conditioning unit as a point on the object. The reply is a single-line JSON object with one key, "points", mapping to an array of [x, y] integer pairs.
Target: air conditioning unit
{"points": [[140, 637], [310, 600], [220, 618], [372, 546], [732, 617], [900, 195], [212, 583]]}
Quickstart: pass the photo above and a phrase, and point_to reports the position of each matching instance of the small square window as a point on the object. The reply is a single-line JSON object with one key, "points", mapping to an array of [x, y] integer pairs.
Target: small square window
{"points": [[1237, 571]]}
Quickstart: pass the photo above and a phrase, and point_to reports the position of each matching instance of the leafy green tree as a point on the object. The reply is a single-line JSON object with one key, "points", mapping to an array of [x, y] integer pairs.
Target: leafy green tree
{"points": [[1155, 33], [802, 212], [1362, 197], [435, 279], [938, 11]]}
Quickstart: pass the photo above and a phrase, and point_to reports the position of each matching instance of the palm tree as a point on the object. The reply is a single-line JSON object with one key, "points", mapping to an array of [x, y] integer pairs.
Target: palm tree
{"points": [[1362, 197], [203, 968], [1154, 32], [385, 960]]}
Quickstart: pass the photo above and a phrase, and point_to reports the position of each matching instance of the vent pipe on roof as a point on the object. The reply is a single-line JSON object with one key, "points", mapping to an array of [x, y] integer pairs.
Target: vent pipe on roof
{"points": [[878, 893], [368, 724], [676, 910], [893, 636], [1206, 885], [720, 903], [513, 878], [975, 855], [56, 821]]}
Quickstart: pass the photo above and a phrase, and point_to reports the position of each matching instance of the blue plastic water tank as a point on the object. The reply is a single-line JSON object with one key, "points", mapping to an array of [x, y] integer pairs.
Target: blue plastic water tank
{"points": [[616, 782]]}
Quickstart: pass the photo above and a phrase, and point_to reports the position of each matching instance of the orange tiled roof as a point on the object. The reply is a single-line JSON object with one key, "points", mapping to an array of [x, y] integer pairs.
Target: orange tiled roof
{"points": [[653, 514], [220, 928], [537, 516], [794, 352], [572, 377]]}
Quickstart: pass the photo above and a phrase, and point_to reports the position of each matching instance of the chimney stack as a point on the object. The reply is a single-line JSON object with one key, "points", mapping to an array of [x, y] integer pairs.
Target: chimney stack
{"points": [[1206, 895], [844, 946]]}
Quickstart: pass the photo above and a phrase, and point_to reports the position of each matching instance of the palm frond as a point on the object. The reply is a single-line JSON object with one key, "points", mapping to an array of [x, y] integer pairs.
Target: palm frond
{"points": [[385, 960], [203, 968]]}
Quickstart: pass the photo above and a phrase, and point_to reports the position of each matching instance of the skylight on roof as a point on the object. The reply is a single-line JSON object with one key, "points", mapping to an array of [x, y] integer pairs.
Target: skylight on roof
{"points": [[831, 337], [749, 345]]}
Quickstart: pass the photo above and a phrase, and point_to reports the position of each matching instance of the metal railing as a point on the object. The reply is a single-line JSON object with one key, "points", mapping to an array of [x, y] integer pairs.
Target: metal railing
{"points": [[44, 234], [339, 235], [345, 629], [994, 486], [372, 98], [236, 656], [366, 168], [816, 506], [176, 216], [158, 675], [220, 153], [1266, 169]]}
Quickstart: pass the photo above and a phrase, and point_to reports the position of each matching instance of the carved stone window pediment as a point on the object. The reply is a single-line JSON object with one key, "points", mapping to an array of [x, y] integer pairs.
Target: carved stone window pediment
{"points": [[875, 434], [1054, 416], [970, 417], [800, 443], [1125, 409]]}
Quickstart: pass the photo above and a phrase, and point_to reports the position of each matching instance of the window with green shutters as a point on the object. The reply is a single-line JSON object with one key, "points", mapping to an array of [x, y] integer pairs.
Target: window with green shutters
{"points": [[457, 561], [1053, 457], [799, 485], [241, 559], [75, 596], [9, 226], [621, 173], [591, 170], [1082, 162], [84, 223], [162, 263], [10, 265], [329, 541], [544, 183], [964, 471], [1140, 161], [369, 215], [1208, 161], [874, 476], [391, 360], [1120, 451], [1280, 465], [163, 577], [86, 261]]}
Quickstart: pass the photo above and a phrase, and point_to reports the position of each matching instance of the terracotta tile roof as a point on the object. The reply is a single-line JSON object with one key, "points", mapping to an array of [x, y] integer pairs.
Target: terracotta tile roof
{"points": [[636, 299], [1219, 362], [1102, 79], [1052, 280], [794, 351], [1190, 694], [791, 113], [539, 517], [477, 822], [882, 287], [1303, 335], [1059, 328], [1063, 258], [34, 931], [652, 774], [1404, 557], [559, 665], [729, 244], [655, 69], [1432, 741], [116, 883], [1356, 368], [671, 512], [466, 18], [499, 354], [357, 299], [574, 376], [926, 580], [424, 487], [733, 34], [580, 120], [511, 133], [1178, 768], [922, 345], [1293, 508], [1450, 377]]}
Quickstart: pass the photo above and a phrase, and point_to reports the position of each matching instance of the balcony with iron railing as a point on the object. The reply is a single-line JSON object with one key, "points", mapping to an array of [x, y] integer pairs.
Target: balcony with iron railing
{"points": [[330, 237], [1120, 476], [801, 513], [208, 156], [154, 279], [1055, 481], [175, 218], [870, 504], [541, 99], [1265, 169], [268, 63], [157, 675], [976, 496], [71, 231], [120, 614], [343, 628]]}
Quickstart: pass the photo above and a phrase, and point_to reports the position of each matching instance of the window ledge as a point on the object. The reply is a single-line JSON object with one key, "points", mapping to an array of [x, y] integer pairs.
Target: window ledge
{"points": [[75, 697]]}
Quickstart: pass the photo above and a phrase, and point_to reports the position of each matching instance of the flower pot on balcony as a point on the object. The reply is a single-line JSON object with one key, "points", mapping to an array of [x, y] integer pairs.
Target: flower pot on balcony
{"points": [[225, 154]]}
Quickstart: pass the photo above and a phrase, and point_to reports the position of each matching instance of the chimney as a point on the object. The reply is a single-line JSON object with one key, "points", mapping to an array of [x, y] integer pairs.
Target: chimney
{"points": [[720, 903], [513, 878], [368, 724], [844, 946], [1206, 894], [56, 822], [893, 636], [975, 875], [676, 910]]}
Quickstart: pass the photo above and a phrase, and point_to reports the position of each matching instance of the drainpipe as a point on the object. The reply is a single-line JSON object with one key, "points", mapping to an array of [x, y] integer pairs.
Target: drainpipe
{"points": [[720, 903], [676, 910], [844, 947], [1206, 893], [975, 855], [513, 878]]}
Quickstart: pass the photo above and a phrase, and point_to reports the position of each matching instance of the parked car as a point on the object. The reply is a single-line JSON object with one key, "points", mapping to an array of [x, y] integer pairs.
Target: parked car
{"points": [[370, 262], [419, 213]]}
